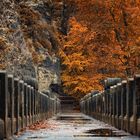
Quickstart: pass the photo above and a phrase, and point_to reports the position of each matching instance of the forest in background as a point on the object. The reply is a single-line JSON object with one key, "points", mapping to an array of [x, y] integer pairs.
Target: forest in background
{"points": [[103, 41]]}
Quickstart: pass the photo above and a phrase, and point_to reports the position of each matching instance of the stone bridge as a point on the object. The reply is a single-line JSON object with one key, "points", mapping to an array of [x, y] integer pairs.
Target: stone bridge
{"points": [[113, 113]]}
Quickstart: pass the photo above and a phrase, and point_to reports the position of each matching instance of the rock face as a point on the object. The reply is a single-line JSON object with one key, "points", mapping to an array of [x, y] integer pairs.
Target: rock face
{"points": [[29, 41], [15, 50]]}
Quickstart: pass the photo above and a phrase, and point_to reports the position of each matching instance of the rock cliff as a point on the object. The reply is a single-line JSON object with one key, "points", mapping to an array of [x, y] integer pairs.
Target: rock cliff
{"points": [[29, 41]]}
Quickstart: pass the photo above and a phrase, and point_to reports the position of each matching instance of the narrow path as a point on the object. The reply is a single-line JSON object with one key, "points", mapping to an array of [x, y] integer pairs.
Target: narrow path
{"points": [[74, 126]]}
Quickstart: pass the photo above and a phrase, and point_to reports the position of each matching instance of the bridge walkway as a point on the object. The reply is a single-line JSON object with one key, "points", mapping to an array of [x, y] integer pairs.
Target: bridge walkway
{"points": [[74, 126]]}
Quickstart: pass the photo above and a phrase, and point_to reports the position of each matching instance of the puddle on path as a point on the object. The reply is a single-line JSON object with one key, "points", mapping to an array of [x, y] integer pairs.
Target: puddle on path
{"points": [[76, 127]]}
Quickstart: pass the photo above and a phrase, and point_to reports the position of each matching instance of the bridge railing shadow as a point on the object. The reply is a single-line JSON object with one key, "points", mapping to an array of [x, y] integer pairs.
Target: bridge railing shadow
{"points": [[119, 105], [22, 105]]}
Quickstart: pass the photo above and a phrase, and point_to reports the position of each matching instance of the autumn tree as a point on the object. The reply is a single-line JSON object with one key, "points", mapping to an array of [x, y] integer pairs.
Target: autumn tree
{"points": [[83, 64], [104, 36], [126, 18], [75, 61]]}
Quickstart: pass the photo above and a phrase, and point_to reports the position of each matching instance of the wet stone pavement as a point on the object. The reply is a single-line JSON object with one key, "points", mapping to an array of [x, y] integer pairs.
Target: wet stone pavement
{"points": [[75, 126]]}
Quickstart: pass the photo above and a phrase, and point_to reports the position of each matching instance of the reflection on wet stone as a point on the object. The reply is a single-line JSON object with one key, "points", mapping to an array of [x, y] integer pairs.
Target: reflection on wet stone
{"points": [[75, 126]]}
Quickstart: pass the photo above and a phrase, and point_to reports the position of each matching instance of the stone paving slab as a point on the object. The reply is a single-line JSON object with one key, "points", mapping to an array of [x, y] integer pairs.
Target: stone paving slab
{"points": [[73, 127]]}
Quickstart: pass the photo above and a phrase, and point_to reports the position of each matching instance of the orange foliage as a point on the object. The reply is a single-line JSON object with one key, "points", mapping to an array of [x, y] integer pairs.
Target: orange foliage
{"points": [[41, 125], [103, 41]]}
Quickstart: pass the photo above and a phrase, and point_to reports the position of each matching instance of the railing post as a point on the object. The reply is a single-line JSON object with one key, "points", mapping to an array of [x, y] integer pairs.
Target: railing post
{"points": [[55, 104], [21, 86], [108, 112], [116, 100], [11, 102], [94, 105], [100, 106], [88, 106], [17, 99], [38, 106], [35, 105], [95, 97], [41, 103], [37, 97], [57, 107], [111, 103], [43, 107], [46, 106], [114, 105], [97, 106], [130, 94], [52, 107], [34, 108], [118, 105], [3, 105], [29, 104], [137, 105], [133, 118], [49, 104], [91, 105], [103, 106], [40, 111], [82, 107], [109, 107], [25, 105], [85, 107], [32, 105], [106, 105], [89, 102], [123, 103], [84, 104]]}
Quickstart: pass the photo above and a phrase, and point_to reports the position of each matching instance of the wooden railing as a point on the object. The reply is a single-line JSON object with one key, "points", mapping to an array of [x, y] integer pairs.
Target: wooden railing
{"points": [[21, 105], [118, 105]]}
